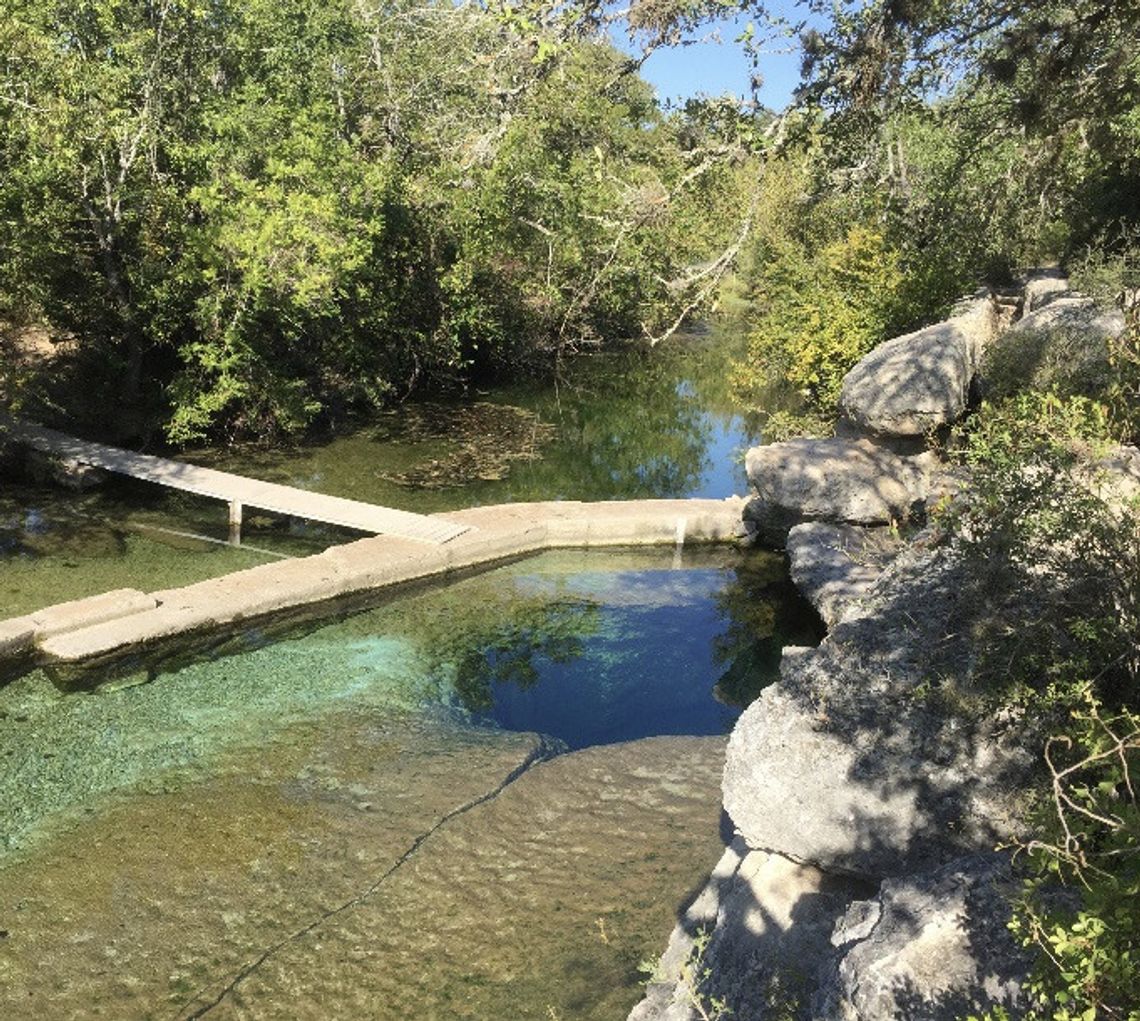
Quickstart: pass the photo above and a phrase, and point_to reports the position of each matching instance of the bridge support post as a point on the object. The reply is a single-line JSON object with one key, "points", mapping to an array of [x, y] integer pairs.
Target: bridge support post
{"points": [[235, 522]]}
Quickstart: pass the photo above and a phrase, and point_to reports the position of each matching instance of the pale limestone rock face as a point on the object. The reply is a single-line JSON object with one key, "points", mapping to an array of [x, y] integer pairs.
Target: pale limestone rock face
{"points": [[834, 566], [773, 918], [921, 381], [1073, 313], [833, 480], [850, 764], [1043, 288], [1118, 478], [16, 636], [933, 946]]}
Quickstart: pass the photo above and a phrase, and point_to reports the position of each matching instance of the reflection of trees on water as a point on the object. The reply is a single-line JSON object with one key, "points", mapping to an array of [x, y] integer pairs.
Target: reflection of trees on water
{"points": [[42, 523], [508, 653], [763, 613], [627, 430]]}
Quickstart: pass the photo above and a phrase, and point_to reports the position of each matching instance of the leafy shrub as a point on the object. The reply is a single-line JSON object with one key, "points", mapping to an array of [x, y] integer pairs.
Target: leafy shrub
{"points": [[1063, 359], [821, 311], [1110, 270], [1057, 565], [1059, 562], [1090, 943]]}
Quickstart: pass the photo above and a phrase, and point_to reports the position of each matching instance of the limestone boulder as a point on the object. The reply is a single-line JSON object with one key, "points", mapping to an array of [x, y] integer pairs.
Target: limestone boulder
{"points": [[933, 946], [16, 635], [1044, 287], [834, 565], [864, 758], [921, 381], [1073, 313], [843, 480], [764, 916]]}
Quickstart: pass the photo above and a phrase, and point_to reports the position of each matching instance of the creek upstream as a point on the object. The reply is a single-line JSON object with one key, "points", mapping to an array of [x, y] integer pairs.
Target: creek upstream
{"points": [[485, 799], [627, 424]]}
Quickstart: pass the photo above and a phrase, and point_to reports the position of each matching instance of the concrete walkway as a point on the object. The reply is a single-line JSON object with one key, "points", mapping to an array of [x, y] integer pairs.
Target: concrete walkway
{"points": [[107, 625], [237, 490]]}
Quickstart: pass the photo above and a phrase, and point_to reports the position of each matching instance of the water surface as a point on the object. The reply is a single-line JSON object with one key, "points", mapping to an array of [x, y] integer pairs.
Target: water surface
{"points": [[383, 815], [618, 425]]}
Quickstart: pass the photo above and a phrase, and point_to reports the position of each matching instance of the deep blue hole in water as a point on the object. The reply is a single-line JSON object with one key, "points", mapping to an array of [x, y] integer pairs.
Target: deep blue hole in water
{"points": [[656, 652]]}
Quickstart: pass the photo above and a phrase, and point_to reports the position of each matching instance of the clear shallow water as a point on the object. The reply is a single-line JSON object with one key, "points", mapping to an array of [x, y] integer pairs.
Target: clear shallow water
{"points": [[355, 817], [344, 815], [619, 425], [589, 647]]}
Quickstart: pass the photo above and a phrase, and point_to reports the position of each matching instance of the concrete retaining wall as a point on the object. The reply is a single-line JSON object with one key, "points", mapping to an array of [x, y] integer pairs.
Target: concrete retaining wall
{"points": [[113, 623]]}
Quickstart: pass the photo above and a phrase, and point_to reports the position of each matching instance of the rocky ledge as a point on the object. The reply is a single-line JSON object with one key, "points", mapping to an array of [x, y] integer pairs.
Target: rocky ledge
{"points": [[870, 785], [867, 793]]}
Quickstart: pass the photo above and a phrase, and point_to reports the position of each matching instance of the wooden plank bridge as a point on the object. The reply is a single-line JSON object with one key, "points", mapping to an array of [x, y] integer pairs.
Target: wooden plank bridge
{"points": [[236, 490]]}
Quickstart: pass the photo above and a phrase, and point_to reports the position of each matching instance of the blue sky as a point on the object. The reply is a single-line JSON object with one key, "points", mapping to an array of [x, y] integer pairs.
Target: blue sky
{"points": [[714, 68]]}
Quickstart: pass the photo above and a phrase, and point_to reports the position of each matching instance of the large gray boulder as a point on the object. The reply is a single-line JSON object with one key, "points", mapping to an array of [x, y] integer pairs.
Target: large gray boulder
{"points": [[1044, 287], [768, 937], [841, 480], [931, 947], [834, 565], [919, 382], [867, 757]]}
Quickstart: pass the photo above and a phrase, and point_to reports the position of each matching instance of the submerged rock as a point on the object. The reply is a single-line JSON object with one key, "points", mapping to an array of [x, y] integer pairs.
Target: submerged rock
{"points": [[363, 864], [483, 441]]}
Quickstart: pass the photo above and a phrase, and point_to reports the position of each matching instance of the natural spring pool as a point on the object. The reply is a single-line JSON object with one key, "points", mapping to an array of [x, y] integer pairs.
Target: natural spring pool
{"points": [[480, 800]]}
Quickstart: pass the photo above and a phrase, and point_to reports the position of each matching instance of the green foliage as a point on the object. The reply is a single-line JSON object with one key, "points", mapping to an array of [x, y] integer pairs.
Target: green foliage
{"points": [[1057, 559], [692, 977], [1057, 556], [1110, 271], [1089, 937], [254, 216], [821, 309]]}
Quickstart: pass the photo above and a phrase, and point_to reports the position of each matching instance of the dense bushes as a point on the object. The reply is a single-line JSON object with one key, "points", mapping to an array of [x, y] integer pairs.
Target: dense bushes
{"points": [[251, 216], [1056, 548], [1056, 536]]}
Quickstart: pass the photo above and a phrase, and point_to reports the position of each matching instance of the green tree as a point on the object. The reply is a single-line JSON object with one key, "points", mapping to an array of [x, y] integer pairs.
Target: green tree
{"points": [[253, 217]]}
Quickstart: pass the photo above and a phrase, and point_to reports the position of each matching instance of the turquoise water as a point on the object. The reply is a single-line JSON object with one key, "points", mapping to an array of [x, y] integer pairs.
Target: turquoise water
{"points": [[361, 815], [355, 817], [588, 647]]}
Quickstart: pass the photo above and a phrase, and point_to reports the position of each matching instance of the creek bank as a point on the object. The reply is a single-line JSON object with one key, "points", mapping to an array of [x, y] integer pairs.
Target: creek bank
{"points": [[930, 374], [835, 565], [873, 777]]}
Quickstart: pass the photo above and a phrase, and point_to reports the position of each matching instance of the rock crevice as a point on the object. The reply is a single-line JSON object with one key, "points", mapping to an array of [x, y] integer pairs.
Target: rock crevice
{"points": [[543, 749]]}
